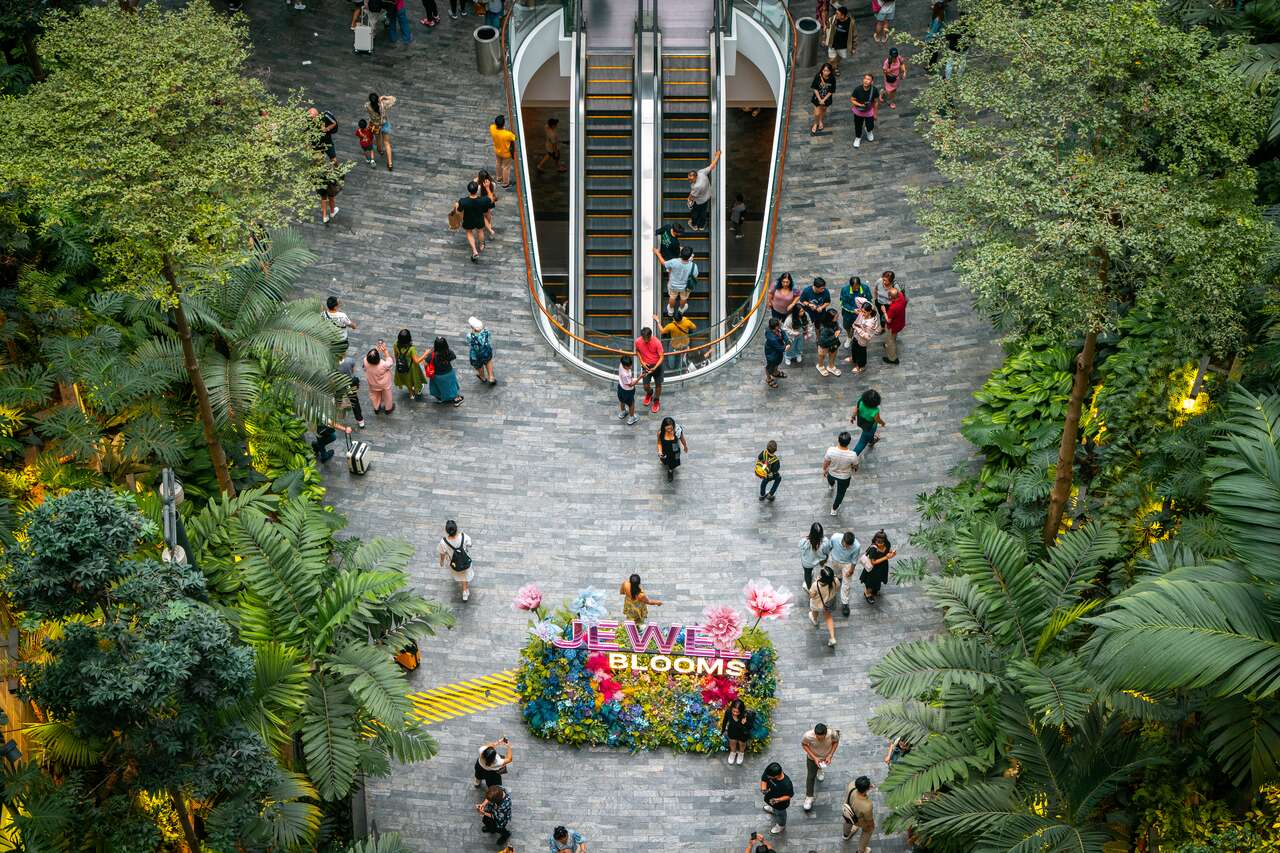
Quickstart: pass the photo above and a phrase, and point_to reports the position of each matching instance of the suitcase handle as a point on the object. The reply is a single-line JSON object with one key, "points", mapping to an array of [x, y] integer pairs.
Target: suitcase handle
{"points": [[347, 436]]}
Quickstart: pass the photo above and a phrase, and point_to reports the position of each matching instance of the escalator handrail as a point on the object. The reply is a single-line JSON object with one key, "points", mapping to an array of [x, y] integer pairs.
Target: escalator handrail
{"points": [[766, 274]]}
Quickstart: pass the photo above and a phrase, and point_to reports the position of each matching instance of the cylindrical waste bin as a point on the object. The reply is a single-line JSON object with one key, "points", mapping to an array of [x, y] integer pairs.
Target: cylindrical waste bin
{"points": [[807, 32], [488, 51]]}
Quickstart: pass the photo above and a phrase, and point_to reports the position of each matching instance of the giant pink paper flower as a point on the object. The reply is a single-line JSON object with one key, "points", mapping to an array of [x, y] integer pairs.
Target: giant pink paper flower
{"points": [[597, 663], [610, 689], [723, 625], [765, 601], [718, 690], [528, 597]]}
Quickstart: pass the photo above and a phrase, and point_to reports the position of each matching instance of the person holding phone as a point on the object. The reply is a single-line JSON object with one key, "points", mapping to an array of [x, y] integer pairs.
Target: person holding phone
{"points": [[491, 766], [757, 844]]}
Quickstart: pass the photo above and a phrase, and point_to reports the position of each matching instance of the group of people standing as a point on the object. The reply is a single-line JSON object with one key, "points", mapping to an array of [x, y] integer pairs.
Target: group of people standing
{"points": [[861, 314]]}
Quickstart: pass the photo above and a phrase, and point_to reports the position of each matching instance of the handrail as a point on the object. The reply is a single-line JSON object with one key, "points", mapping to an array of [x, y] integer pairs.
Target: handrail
{"points": [[533, 275]]}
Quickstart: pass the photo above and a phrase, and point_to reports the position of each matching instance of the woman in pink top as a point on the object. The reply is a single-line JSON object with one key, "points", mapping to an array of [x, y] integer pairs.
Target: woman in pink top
{"points": [[378, 367], [895, 71], [783, 297]]}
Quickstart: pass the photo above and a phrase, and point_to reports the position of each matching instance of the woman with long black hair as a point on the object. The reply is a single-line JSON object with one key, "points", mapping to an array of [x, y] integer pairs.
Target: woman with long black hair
{"points": [[875, 566], [442, 381], [814, 550], [736, 727], [635, 601], [670, 443]]}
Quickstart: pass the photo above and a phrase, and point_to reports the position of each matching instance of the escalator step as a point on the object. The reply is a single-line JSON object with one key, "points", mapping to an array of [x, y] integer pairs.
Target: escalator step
{"points": [[685, 60], [610, 325], [608, 163], [618, 223], [700, 127], [598, 282], [616, 88], [608, 303], [603, 143], [609, 183], [684, 146], [609, 104], [608, 204], [608, 124], [607, 243], [610, 263]]}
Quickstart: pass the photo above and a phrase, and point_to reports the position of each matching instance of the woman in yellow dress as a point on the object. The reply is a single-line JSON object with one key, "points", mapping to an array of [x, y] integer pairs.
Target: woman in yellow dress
{"points": [[635, 602]]}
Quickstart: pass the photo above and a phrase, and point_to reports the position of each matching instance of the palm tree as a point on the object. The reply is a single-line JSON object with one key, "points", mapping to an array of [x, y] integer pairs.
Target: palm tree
{"points": [[1004, 721], [247, 333], [1206, 624], [324, 617]]}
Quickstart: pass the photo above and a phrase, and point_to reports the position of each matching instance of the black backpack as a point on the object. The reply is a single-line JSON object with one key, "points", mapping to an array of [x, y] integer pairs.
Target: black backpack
{"points": [[402, 362], [461, 560]]}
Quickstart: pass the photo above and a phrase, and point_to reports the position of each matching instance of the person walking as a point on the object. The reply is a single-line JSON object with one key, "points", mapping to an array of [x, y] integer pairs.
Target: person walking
{"points": [[841, 37], [431, 13], [551, 145], [782, 297], [822, 599], [884, 11], [865, 100], [796, 329], [334, 314], [364, 135], [564, 840], [474, 208], [814, 550], [895, 318], [866, 326], [398, 18], [488, 189], [480, 350], [379, 366], [824, 90], [670, 443], [819, 745], [777, 790], [680, 274], [442, 379], [895, 71], [408, 367], [700, 194], [849, 295], [454, 552], [828, 343], [492, 764], [504, 150], [767, 466], [379, 114], [866, 414], [626, 391], [493, 10], [347, 367], [635, 601], [668, 237], [737, 214], [458, 7], [775, 348], [857, 812], [495, 813], [875, 566], [649, 349], [735, 725], [837, 467], [845, 552]]}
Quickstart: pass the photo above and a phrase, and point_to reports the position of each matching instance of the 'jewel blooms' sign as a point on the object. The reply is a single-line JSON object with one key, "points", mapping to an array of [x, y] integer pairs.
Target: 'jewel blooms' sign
{"points": [[699, 655]]}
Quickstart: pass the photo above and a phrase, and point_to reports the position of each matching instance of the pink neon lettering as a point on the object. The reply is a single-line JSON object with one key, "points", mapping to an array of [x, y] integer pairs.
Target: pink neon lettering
{"points": [[696, 646], [575, 642], [600, 637], [640, 642]]}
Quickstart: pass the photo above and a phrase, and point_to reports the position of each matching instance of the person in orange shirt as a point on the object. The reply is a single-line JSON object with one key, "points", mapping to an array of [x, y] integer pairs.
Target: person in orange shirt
{"points": [[504, 150]]}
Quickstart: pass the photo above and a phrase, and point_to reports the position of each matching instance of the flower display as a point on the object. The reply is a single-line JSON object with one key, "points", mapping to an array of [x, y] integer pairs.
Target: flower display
{"points": [[765, 601], [574, 696], [588, 606], [528, 597], [722, 625]]}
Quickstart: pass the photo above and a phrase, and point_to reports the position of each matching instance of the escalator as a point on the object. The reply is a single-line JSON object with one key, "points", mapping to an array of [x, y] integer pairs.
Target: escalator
{"points": [[687, 146], [608, 200]]}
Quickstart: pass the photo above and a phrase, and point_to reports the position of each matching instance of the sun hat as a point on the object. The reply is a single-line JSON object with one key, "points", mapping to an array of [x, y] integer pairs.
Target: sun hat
{"points": [[474, 322]]}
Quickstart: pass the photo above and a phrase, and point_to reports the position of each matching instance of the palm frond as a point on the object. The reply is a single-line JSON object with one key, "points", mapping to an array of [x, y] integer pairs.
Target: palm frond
{"points": [[965, 608], [1074, 561], [407, 744], [937, 761], [1244, 736], [912, 720], [279, 692], [1245, 481], [914, 669], [60, 742], [291, 821], [374, 680], [998, 565], [388, 843], [1060, 693], [329, 741], [278, 568]]}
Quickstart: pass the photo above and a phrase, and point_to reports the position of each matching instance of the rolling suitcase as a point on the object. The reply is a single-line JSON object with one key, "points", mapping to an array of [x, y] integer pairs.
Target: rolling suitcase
{"points": [[357, 456], [364, 35]]}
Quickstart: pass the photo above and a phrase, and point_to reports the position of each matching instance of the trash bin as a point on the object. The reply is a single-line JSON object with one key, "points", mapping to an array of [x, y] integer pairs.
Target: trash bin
{"points": [[489, 51], [807, 32]]}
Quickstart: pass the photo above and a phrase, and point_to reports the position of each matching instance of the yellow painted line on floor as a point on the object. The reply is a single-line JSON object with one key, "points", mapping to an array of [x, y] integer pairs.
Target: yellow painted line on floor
{"points": [[464, 697]]}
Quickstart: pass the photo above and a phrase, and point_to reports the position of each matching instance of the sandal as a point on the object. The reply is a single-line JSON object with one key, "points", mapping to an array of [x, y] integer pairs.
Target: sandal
{"points": [[771, 383], [457, 401]]}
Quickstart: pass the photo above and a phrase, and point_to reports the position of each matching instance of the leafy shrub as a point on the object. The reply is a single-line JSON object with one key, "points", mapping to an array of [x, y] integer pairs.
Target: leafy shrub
{"points": [[278, 447]]}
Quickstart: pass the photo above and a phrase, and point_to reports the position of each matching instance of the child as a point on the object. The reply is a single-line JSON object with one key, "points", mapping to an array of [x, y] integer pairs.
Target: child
{"points": [[736, 213], [364, 133], [627, 391]]}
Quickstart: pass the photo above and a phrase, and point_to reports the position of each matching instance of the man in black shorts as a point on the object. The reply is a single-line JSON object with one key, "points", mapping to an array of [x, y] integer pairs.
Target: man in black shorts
{"points": [[328, 188], [473, 207]]}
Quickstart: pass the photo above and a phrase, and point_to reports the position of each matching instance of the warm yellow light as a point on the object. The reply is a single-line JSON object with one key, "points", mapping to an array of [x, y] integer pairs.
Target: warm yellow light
{"points": [[1188, 404]]}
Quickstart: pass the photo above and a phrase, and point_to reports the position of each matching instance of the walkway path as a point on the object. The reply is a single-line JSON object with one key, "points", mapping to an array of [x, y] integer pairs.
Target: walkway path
{"points": [[555, 490]]}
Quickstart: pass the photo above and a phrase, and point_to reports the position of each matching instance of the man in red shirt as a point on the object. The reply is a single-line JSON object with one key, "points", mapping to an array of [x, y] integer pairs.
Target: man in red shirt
{"points": [[895, 316], [649, 349]]}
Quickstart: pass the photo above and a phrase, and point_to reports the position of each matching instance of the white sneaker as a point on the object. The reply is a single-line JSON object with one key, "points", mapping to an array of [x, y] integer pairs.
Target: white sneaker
{"points": [[335, 212], [741, 755], [786, 361], [835, 512], [622, 414], [813, 617], [808, 803], [871, 137], [730, 760], [831, 643], [360, 424], [633, 420], [799, 358], [466, 593], [857, 143], [834, 371], [777, 829]]}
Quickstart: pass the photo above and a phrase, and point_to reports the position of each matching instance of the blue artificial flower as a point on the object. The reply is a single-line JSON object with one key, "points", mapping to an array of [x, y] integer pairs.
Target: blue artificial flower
{"points": [[546, 630], [589, 607]]}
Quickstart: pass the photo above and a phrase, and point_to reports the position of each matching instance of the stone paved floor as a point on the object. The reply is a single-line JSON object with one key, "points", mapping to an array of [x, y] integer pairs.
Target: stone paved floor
{"points": [[555, 490]]}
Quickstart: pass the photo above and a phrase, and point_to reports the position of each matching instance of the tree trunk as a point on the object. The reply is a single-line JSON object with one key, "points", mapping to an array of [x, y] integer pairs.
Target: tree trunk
{"points": [[184, 818], [32, 55], [1080, 386], [219, 459]]}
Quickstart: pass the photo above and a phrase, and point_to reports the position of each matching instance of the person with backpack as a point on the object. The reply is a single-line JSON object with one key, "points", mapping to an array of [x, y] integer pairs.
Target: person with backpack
{"points": [[767, 465], [857, 812], [442, 379], [408, 367], [480, 350], [454, 551]]}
